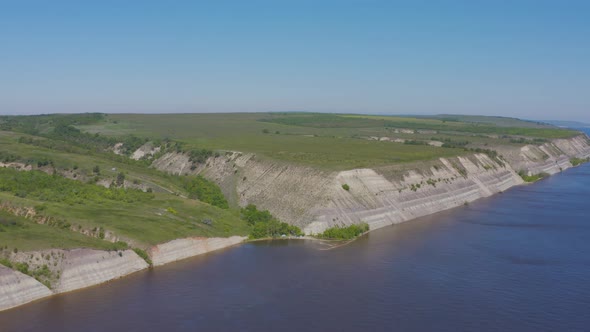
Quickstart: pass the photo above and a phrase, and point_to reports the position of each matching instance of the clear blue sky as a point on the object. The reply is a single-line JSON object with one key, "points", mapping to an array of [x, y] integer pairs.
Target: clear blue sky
{"points": [[528, 59]]}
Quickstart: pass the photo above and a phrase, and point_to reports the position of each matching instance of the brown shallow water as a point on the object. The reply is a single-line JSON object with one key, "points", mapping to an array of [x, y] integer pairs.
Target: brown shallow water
{"points": [[519, 261]]}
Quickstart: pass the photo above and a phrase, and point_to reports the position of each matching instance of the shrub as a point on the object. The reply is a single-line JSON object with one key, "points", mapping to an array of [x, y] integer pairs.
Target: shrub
{"points": [[344, 233], [5, 262], [532, 178], [577, 161], [346, 187], [206, 191], [265, 225], [141, 253]]}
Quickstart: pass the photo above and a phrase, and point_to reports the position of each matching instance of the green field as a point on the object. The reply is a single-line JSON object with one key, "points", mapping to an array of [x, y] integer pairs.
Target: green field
{"points": [[329, 141]]}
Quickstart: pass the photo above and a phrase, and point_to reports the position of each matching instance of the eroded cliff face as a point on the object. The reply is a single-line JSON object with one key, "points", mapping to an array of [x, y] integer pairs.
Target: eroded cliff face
{"points": [[86, 267], [379, 201], [68, 270], [17, 289], [550, 158], [183, 248], [315, 200]]}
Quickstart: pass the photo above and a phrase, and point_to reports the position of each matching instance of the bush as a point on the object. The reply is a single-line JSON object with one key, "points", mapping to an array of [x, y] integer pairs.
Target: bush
{"points": [[206, 191], [5, 262], [344, 233], [265, 225], [141, 253], [346, 187], [578, 161], [47, 188], [532, 178], [199, 156], [252, 215]]}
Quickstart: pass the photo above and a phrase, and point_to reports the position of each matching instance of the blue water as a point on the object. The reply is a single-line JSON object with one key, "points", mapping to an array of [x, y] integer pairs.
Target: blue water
{"points": [[518, 261]]}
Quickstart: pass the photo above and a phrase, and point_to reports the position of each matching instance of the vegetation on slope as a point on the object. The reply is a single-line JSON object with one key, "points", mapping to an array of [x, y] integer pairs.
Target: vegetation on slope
{"points": [[532, 178], [264, 225], [81, 147], [206, 191], [53, 188], [327, 141], [344, 233], [579, 161]]}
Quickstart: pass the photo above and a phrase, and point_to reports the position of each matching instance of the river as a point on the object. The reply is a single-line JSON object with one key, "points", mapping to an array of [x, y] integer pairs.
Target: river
{"points": [[518, 261]]}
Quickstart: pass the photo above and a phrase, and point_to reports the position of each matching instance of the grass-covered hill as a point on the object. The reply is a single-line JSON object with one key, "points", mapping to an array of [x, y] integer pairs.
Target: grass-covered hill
{"points": [[68, 180], [332, 141]]}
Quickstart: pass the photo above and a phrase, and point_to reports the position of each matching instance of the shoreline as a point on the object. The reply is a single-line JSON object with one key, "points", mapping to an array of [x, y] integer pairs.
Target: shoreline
{"points": [[88, 268]]}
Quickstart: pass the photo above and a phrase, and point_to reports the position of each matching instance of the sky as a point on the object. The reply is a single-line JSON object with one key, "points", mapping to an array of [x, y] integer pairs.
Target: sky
{"points": [[527, 59]]}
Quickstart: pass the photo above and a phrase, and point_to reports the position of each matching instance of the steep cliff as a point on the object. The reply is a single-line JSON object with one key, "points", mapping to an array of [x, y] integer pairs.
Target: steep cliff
{"points": [[85, 267], [68, 270], [314, 199], [183, 248]]}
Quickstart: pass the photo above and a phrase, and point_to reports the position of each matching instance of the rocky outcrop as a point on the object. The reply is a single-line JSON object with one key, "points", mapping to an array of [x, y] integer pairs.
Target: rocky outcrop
{"points": [[184, 248], [86, 267], [17, 289], [147, 150]]}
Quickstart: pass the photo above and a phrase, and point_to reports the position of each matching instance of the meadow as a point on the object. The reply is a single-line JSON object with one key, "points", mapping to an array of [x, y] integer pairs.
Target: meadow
{"points": [[327, 141]]}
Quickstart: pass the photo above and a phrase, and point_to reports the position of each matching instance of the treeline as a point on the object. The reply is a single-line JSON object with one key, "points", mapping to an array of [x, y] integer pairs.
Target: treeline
{"points": [[264, 224], [449, 143], [206, 191], [54, 188], [35, 124], [95, 141], [61, 130]]}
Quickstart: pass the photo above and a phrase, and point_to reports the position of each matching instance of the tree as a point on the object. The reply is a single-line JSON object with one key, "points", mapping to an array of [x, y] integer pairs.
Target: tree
{"points": [[96, 169], [120, 179]]}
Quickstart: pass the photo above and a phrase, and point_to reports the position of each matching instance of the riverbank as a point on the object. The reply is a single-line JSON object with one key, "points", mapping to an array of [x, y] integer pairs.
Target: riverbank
{"points": [[82, 268], [374, 197]]}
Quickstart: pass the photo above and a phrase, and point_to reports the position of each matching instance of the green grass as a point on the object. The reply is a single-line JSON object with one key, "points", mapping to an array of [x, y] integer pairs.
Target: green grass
{"points": [[532, 178], [86, 160], [25, 235], [328, 148], [148, 222], [327, 141]]}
